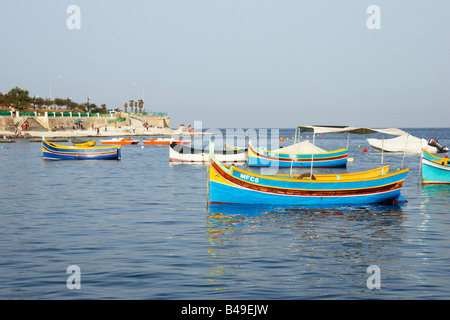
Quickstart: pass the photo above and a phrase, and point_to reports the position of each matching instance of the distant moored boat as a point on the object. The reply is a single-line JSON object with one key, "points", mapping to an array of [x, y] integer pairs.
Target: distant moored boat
{"points": [[120, 141], [52, 151]]}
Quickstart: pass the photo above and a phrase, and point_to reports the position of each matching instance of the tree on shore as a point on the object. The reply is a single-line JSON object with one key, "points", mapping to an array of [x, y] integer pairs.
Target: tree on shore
{"points": [[48, 102], [131, 105], [60, 102], [38, 102], [20, 100], [17, 98]]}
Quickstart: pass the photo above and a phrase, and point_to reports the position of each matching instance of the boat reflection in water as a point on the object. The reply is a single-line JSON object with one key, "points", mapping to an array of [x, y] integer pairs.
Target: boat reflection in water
{"points": [[436, 197], [350, 212], [299, 244]]}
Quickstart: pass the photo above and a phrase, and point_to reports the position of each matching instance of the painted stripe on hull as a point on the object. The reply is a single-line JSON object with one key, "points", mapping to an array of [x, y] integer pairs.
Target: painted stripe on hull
{"points": [[54, 156], [320, 160]]}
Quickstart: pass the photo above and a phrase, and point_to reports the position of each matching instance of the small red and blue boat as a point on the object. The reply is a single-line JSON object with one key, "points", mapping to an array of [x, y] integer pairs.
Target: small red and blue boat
{"points": [[52, 151]]}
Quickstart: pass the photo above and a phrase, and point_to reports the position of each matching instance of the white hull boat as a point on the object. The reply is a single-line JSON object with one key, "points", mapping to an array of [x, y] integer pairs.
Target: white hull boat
{"points": [[185, 154]]}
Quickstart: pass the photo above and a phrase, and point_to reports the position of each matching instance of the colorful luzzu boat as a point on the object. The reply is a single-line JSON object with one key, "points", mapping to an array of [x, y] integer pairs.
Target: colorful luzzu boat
{"points": [[435, 170], [51, 151], [230, 184], [266, 158]]}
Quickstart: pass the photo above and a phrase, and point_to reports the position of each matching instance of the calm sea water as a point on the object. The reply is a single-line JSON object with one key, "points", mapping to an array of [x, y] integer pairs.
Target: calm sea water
{"points": [[139, 228]]}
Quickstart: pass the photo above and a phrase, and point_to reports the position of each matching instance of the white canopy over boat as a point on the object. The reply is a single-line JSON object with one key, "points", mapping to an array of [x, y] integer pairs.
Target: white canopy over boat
{"points": [[301, 147], [408, 144], [354, 130]]}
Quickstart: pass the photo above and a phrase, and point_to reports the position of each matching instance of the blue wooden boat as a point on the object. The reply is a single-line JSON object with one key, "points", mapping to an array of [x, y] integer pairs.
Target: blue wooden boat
{"points": [[435, 169], [52, 151], [230, 184], [266, 158]]}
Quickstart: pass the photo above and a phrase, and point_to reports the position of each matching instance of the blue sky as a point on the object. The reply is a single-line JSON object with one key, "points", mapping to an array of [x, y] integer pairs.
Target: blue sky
{"points": [[246, 63]]}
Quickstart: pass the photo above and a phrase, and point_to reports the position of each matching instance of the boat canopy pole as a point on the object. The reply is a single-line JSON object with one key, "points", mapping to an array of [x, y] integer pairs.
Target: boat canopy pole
{"points": [[312, 154], [404, 151], [295, 142], [382, 148], [420, 167], [348, 139]]}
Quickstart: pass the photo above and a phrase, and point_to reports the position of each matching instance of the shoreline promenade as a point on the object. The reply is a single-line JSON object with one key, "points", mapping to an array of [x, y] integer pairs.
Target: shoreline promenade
{"points": [[92, 133], [97, 126]]}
